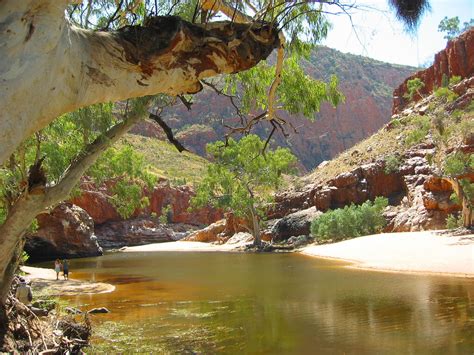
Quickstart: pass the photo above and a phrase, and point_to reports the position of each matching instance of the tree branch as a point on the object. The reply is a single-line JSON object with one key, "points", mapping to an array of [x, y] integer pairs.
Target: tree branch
{"points": [[167, 55], [168, 132]]}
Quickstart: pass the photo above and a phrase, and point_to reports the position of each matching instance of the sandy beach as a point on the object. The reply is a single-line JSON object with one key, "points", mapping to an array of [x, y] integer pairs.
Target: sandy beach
{"points": [[44, 281], [415, 252], [183, 246]]}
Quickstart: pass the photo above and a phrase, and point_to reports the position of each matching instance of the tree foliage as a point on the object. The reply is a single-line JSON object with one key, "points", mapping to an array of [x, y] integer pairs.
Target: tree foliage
{"points": [[451, 27], [350, 221], [63, 141], [413, 87], [242, 175]]}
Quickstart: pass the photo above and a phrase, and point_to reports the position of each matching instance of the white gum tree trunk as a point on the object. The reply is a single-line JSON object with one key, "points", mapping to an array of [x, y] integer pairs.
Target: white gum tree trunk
{"points": [[31, 203], [49, 67]]}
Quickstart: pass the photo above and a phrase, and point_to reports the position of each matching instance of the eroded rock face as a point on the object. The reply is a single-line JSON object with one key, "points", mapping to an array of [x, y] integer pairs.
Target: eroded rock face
{"points": [[366, 182], [456, 59], [95, 201], [422, 200], [96, 204], [178, 198], [66, 232], [138, 231], [147, 128]]}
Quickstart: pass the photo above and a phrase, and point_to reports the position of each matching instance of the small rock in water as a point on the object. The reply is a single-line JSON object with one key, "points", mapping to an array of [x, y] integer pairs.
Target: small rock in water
{"points": [[72, 310], [99, 310]]}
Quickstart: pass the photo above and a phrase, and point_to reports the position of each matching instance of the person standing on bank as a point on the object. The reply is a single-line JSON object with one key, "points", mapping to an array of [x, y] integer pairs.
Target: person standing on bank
{"points": [[23, 292], [57, 268], [66, 269]]}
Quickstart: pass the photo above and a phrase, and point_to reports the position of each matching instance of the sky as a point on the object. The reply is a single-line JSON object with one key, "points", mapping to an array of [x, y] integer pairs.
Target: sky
{"points": [[382, 37]]}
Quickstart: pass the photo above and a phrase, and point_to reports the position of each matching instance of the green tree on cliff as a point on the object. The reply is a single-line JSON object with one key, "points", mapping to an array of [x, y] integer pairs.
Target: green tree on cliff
{"points": [[451, 27], [458, 167], [242, 178]]}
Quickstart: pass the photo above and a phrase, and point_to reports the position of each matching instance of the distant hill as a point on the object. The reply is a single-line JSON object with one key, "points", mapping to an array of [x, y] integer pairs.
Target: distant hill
{"points": [[367, 84]]}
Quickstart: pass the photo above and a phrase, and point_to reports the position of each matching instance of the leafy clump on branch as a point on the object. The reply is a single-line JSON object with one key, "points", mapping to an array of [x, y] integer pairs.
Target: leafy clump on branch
{"points": [[242, 177]]}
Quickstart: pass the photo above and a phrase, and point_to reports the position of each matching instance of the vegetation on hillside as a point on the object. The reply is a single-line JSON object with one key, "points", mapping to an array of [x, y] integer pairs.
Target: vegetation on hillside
{"points": [[446, 129], [164, 161]]}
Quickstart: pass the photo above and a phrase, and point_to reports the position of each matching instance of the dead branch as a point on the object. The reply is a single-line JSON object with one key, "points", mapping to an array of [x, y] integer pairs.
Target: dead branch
{"points": [[168, 132]]}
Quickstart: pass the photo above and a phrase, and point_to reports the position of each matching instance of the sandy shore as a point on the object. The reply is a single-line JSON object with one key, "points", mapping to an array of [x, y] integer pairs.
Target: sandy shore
{"points": [[44, 281], [183, 246], [419, 252]]}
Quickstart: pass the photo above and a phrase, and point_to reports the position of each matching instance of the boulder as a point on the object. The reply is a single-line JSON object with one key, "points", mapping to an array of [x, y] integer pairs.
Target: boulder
{"points": [[208, 234], [96, 204], [294, 224], [240, 238], [66, 232], [437, 184], [220, 230], [98, 310], [345, 179]]}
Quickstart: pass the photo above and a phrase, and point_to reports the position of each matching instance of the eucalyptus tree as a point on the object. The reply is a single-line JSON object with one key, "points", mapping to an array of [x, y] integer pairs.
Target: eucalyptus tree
{"points": [[241, 178], [61, 55], [48, 166]]}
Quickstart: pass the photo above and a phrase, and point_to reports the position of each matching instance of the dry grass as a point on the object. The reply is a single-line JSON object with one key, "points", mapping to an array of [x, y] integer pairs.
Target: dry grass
{"points": [[166, 162]]}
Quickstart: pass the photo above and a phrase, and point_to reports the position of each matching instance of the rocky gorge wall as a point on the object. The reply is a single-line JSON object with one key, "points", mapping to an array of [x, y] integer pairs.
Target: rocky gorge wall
{"points": [[89, 222], [366, 83], [456, 59]]}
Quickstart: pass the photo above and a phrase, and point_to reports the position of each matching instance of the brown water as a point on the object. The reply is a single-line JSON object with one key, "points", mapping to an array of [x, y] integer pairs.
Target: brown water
{"points": [[168, 302]]}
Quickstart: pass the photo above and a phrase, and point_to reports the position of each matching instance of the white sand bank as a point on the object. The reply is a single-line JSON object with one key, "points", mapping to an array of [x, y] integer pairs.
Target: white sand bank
{"points": [[182, 246], [420, 252], [44, 281]]}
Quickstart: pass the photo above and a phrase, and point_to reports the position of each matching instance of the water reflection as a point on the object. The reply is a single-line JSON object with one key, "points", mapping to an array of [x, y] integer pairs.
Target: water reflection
{"points": [[186, 302]]}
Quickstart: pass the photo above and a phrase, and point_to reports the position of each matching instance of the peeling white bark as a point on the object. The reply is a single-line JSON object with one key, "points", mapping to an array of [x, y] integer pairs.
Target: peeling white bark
{"points": [[49, 67]]}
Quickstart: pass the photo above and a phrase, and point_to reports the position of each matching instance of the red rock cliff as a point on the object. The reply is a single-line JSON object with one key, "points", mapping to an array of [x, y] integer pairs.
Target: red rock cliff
{"points": [[456, 59], [94, 200]]}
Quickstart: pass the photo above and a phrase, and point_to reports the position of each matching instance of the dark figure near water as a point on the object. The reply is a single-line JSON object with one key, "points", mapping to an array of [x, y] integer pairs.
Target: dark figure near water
{"points": [[66, 269]]}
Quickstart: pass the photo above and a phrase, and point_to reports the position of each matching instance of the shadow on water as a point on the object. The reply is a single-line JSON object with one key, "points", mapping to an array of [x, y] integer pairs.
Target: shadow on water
{"points": [[271, 303]]}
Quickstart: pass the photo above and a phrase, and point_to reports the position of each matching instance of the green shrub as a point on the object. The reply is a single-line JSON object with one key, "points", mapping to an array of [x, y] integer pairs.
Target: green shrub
{"points": [[419, 132], [392, 164], [444, 81], [455, 79], [350, 221], [415, 137], [165, 217], [453, 222], [458, 163], [445, 93], [413, 87]]}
